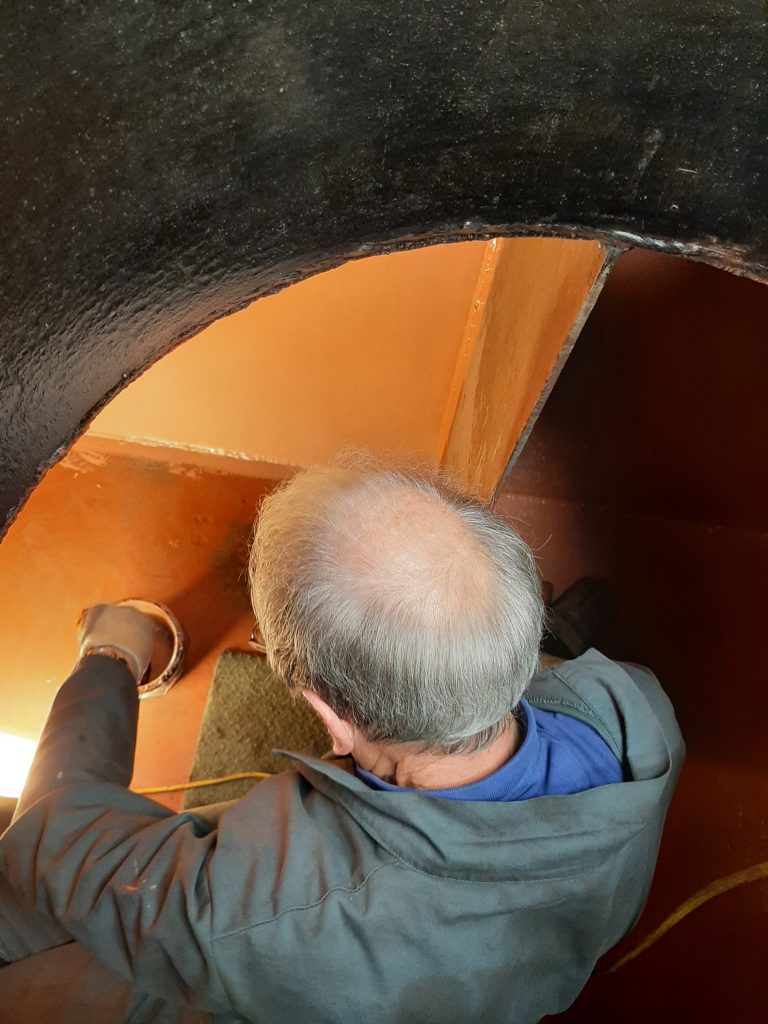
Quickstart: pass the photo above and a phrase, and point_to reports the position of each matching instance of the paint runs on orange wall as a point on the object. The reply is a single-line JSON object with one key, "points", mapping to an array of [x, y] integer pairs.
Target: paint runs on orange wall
{"points": [[361, 355]]}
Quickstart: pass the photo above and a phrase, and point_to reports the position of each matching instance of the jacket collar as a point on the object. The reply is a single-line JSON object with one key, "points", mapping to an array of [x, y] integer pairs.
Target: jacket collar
{"points": [[545, 837]]}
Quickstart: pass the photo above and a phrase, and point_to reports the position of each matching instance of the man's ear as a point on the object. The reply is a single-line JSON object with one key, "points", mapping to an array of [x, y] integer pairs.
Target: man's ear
{"points": [[342, 733]]}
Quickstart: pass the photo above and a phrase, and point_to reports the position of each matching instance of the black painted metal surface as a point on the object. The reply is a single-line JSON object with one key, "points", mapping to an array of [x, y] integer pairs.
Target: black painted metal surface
{"points": [[165, 163]]}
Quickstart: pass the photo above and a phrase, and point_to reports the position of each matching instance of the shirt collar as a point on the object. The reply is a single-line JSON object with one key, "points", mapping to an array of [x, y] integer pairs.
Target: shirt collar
{"points": [[509, 782]]}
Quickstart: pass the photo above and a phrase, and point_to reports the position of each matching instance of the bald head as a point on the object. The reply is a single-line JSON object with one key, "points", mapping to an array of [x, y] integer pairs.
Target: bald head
{"points": [[407, 607], [396, 547]]}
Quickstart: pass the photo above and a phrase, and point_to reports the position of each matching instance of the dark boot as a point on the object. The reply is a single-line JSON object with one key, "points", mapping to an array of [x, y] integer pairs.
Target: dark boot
{"points": [[583, 617]]}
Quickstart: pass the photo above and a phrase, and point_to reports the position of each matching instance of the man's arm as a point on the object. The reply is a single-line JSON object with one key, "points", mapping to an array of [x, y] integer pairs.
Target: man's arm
{"points": [[61, 757], [90, 733], [87, 859]]}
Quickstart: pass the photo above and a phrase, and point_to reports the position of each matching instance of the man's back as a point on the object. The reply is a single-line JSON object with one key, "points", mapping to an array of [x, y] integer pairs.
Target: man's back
{"points": [[365, 905]]}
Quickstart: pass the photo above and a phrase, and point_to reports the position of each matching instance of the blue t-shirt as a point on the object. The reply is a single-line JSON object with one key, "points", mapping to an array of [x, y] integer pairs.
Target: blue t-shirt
{"points": [[558, 756]]}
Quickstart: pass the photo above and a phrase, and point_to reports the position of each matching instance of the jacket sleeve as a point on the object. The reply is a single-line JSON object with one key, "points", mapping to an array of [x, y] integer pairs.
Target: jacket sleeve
{"points": [[90, 733], [112, 869]]}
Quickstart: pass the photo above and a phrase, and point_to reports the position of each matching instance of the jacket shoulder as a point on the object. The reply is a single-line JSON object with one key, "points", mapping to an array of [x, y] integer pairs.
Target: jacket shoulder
{"points": [[624, 702]]}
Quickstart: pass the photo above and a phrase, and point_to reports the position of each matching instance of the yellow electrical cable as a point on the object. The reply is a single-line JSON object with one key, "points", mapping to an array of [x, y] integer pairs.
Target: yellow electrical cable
{"points": [[721, 885], [716, 888], [179, 787]]}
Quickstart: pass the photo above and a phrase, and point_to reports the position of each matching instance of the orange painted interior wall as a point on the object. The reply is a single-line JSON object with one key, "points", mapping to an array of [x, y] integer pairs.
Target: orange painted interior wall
{"points": [[363, 355]]}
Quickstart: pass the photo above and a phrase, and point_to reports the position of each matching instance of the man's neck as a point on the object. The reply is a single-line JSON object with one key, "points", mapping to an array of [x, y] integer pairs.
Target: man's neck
{"points": [[396, 765]]}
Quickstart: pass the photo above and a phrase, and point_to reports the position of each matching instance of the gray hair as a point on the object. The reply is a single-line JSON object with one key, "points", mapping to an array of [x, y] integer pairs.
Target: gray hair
{"points": [[409, 608]]}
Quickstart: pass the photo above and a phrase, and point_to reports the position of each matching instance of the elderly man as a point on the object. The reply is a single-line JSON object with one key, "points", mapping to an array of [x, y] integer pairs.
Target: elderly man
{"points": [[485, 832]]}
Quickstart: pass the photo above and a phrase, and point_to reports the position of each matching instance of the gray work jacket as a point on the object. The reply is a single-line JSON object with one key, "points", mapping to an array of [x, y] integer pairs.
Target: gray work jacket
{"points": [[317, 900]]}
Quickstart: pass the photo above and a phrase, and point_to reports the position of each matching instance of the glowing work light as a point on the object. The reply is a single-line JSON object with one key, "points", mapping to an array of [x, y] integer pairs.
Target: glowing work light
{"points": [[16, 755]]}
